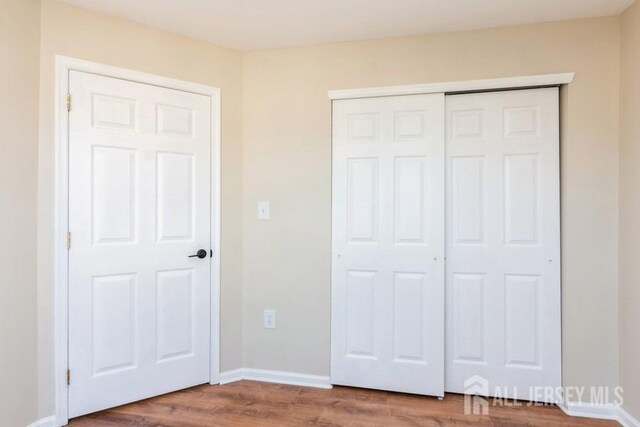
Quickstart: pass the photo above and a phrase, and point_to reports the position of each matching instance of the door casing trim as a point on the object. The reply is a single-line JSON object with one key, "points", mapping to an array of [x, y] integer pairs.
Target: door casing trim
{"points": [[502, 83], [63, 65]]}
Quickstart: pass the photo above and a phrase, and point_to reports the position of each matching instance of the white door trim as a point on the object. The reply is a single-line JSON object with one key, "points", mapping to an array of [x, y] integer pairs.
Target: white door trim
{"points": [[61, 256], [459, 86]]}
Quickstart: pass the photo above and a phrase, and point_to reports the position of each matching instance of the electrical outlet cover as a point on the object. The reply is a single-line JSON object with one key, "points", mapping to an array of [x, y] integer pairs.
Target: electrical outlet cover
{"points": [[269, 319]]}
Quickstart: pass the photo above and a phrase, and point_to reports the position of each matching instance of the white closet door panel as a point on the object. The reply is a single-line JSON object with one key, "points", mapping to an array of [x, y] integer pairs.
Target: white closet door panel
{"points": [[503, 240], [388, 244]]}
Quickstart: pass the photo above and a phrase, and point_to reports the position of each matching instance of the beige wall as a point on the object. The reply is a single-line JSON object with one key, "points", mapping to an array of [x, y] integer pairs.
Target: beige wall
{"points": [[629, 210], [86, 35], [276, 146], [287, 121], [19, 44]]}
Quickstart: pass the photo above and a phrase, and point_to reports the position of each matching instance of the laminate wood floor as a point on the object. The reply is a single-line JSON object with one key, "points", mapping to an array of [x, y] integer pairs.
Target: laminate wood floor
{"points": [[248, 403]]}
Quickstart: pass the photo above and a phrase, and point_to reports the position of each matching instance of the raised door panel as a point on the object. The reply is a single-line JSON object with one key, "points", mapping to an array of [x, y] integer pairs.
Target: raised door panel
{"points": [[410, 125], [113, 195], [175, 314], [175, 196], [466, 124], [360, 318], [468, 308], [175, 121], [114, 339], [363, 127], [409, 317], [467, 196], [522, 216], [521, 121], [362, 200], [114, 113], [522, 320], [410, 200]]}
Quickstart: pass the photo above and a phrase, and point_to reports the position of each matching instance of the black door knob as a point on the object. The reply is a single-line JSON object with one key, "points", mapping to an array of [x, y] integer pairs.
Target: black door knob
{"points": [[202, 253]]}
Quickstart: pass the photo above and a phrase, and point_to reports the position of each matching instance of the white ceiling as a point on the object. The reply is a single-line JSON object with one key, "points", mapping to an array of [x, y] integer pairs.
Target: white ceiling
{"points": [[261, 24]]}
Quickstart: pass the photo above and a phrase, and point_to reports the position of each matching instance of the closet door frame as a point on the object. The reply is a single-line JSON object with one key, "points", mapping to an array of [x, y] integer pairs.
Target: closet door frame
{"points": [[449, 88], [455, 87]]}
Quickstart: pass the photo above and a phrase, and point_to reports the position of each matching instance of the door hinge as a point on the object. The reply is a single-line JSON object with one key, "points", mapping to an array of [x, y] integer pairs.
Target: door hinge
{"points": [[68, 102], [68, 240], [68, 376]]}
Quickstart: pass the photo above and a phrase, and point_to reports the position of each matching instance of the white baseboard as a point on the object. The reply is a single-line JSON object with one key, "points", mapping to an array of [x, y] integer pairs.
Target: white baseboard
{"points": [[44, 422], [604, 412], [590, 410], [227, 377], [280, 377], [626, 419]]}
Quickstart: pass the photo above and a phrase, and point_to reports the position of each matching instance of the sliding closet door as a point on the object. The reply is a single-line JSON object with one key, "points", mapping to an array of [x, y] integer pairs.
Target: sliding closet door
{"points": [[388, 244], [503, 241]]}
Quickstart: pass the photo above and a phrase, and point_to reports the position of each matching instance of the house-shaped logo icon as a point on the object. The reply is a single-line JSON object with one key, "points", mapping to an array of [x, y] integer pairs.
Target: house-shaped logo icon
{"points": [[476, 389]]}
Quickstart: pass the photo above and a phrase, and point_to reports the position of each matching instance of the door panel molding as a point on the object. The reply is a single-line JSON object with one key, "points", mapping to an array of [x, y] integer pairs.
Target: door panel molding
{"points": [[64, 65]]}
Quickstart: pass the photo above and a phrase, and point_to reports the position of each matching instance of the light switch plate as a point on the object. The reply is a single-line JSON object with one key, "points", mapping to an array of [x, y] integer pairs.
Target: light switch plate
{"points": [[263, 210]]}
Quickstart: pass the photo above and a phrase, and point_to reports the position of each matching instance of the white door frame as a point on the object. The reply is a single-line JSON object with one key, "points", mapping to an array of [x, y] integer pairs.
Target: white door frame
{"points": [[61, 255]]}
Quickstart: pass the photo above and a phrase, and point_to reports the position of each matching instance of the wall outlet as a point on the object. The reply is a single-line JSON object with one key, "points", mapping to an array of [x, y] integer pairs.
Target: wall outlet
{"points": [[269, 319], [263, 210]]}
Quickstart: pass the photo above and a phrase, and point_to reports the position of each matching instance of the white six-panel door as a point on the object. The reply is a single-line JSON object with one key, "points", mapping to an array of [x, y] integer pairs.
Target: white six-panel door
{"points": [[140, 174], [388, 244], [503, 241]]}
